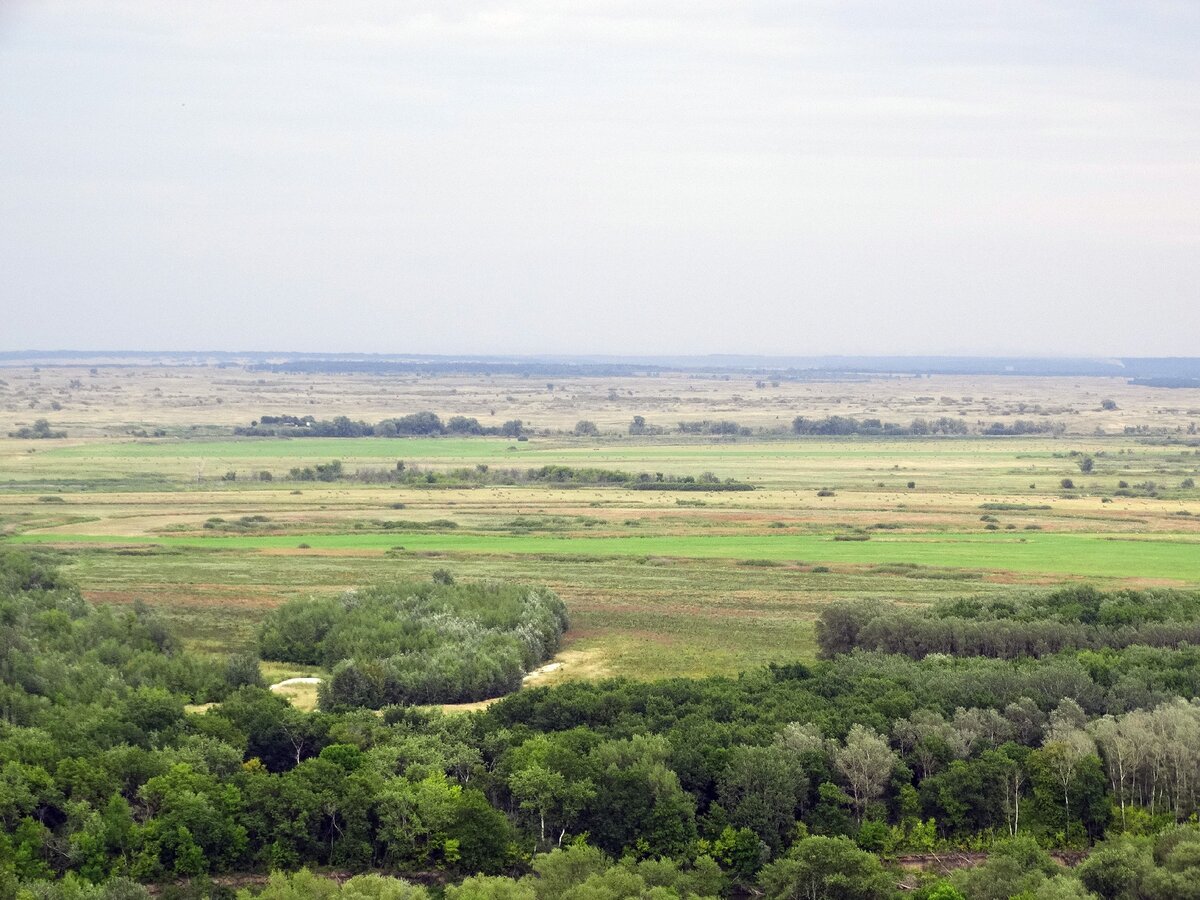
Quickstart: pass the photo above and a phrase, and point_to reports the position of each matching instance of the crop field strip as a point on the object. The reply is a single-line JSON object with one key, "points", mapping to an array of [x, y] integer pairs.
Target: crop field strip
{"points": [[1089, 556]]}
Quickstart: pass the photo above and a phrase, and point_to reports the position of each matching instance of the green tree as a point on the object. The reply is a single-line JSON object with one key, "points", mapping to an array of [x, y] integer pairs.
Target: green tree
{"points": [[1116, 869], [551, 796], [866, 762], [494, 887], [560, 870], [1015, 867], [762, 789], [823, 868]]}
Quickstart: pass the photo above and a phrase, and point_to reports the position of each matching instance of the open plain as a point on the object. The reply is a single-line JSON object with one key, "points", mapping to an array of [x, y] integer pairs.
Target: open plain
{"points": [[151, 497]]}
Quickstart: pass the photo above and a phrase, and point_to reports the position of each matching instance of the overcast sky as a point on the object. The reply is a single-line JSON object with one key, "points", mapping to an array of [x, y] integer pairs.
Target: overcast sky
{"points": [[626, 177]]}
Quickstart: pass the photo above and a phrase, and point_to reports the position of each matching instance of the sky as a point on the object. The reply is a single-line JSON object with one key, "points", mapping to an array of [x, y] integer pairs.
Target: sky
{"points": [[617, 176]]}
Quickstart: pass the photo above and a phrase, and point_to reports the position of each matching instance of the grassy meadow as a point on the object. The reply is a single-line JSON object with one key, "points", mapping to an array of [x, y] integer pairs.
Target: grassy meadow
{"points": [[658, 582]]}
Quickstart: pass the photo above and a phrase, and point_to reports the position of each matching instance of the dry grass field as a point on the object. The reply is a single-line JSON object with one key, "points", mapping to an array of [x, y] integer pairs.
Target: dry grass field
{"points": [[185, 400]]}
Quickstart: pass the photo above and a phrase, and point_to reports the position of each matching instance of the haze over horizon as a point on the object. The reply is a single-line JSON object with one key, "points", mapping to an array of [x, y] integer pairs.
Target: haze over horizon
{"points": [[654, 178]]}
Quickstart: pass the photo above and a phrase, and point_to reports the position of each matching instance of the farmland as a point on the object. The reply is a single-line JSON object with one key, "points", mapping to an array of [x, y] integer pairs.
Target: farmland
{"points": [[657, 582]]}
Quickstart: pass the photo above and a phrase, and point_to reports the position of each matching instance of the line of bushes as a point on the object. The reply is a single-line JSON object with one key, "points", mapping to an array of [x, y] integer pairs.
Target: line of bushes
{"points": [[1076, 618]]}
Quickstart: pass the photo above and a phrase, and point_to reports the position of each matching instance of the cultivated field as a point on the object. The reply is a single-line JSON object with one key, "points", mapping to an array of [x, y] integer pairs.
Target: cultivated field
{"points": [[658, 582]]}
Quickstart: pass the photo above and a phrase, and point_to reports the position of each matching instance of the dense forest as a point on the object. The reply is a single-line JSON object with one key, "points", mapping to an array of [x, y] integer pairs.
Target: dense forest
{"points": [[125, 760]]}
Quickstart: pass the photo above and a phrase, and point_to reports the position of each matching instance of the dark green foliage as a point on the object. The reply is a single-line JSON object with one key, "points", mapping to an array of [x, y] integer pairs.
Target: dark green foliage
{"points": [[464, 425], [762, 789], [28, 572], [330, 471], [969, 795], [421, 423]]}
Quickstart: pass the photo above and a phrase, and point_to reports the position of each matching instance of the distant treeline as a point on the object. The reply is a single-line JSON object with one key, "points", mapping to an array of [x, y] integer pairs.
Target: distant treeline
{"points": [[429, 424], [483, 474], [709, 426], [790, 367], [843, 425], [839, 425], [1075, 618], [450, 366], [688, 483], [1166, 382], [418, 424], [1024, 426]]}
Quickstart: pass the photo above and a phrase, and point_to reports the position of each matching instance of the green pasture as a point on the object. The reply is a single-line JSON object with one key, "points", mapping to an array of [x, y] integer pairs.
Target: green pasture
{"points": [[658, 583], [1080, 555], [636, 616]]}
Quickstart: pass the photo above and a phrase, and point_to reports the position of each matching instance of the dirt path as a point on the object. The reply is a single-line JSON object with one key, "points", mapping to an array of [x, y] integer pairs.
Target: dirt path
{"points": [[302, 691], [280, 686]]}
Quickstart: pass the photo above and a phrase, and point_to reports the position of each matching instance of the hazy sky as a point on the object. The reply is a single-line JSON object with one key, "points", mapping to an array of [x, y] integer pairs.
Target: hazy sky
{"points": [[641, 176]]}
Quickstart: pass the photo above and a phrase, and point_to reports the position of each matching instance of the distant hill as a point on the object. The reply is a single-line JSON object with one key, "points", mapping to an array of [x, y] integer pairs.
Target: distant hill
{"points": [[1150, 371]]}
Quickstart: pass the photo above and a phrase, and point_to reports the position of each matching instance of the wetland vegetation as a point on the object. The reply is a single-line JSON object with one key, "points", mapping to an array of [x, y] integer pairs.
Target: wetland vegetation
{"points": [[793, 658]]}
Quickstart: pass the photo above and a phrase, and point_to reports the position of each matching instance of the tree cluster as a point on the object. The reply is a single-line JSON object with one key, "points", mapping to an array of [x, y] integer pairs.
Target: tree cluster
{"points": [[484, 474], [418, 642], [40, 430], [844, 425], [1024, 426], [716, 427], [418, 424], [1075, 618]]}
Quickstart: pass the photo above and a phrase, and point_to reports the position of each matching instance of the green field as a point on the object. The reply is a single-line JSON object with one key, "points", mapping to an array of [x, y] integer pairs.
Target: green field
{"points": [[658, 582], [1078, 555]]}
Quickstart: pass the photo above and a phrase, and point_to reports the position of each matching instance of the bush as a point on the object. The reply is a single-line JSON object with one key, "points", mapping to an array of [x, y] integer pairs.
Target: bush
{"points": [[826, 867], [39, 431]]}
